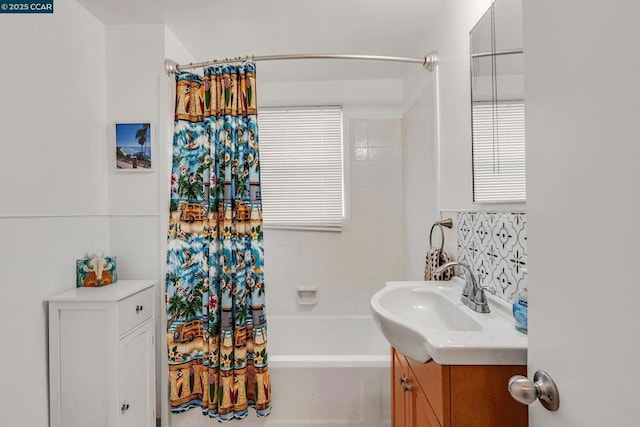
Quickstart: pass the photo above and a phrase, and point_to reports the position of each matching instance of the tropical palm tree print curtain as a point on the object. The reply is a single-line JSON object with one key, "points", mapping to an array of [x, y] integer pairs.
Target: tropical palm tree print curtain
{"points": [[216, 331]]}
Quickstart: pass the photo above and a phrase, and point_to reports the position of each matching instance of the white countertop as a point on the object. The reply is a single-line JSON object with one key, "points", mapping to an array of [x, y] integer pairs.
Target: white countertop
{"points": [[113, 292]]}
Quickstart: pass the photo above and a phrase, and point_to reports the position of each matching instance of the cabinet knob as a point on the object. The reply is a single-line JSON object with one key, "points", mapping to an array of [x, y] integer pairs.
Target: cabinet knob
{"points": [[139, 308], [124, 407], [407, 388], [403, 380], [542, 387]]}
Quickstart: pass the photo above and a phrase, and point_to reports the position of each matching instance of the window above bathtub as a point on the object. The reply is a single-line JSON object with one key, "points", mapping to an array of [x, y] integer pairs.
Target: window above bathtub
{"points": [[301, 166]]}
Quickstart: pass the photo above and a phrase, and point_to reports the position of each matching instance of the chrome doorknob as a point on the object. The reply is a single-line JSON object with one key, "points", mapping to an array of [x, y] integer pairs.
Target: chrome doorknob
{"points": [[542, 387]]}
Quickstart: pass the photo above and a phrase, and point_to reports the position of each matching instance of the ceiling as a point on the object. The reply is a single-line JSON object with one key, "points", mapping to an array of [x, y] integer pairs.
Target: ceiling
{"points": [[216, 29]]}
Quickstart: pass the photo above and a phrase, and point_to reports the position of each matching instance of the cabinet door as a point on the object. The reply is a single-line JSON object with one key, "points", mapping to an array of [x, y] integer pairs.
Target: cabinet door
{"points": [[136, 390], [409, 403], [424, 415], [410, 393], [398, 372]]}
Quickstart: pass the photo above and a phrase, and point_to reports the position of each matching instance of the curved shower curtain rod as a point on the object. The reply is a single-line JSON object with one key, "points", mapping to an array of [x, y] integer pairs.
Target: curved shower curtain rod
{"points": [[429, 61]]}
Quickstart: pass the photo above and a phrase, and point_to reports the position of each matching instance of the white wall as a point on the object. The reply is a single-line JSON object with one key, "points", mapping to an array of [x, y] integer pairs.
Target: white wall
{"points": [[175, 50], [53, 201], [584, 206], [419, 183], [347, 267], [134, 65], [138, 90]]}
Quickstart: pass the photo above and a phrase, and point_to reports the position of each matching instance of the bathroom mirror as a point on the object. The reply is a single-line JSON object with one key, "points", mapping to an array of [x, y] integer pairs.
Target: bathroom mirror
{"points": [[497, 104]]}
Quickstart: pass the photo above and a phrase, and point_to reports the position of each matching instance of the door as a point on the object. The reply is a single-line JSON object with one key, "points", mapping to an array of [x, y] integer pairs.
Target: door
{"points": [[583, 207], [136, 389]]}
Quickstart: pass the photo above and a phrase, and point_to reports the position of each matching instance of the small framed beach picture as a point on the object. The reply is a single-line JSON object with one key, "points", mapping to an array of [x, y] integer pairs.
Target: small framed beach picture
{"points": [[134, 146]]}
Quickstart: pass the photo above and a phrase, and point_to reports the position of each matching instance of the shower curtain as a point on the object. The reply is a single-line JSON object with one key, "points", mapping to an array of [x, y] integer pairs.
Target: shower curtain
{"points": [[216, 324]]}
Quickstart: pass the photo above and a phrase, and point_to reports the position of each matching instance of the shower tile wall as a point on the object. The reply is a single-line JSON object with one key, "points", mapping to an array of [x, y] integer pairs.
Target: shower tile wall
{"points": [[494, 245], [347, 267]]}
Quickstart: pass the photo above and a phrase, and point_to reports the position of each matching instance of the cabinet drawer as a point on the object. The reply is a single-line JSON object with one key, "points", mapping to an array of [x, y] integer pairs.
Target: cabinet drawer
{"points": [[134, 310], [434, 382]]}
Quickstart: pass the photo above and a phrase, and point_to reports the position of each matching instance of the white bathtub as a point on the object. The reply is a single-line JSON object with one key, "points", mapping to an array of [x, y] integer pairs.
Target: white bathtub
{"points": [[326, 371]]}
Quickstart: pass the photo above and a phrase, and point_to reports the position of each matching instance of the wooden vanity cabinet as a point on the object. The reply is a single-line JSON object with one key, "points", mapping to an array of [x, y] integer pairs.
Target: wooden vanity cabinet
{"points": [[434, 395]]}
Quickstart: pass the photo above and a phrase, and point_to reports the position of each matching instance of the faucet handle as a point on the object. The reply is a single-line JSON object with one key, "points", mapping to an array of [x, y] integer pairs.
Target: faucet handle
{"points": [[480, 300], [481, 297], [467, 289]]}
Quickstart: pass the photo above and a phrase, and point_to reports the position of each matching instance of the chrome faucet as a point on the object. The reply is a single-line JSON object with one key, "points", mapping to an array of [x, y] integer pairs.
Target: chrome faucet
{"points": [[473, 295]]}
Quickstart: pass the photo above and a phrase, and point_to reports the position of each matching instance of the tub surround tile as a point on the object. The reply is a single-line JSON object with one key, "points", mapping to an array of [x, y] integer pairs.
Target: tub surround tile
{"points": [[346, 267], [494, 245]]}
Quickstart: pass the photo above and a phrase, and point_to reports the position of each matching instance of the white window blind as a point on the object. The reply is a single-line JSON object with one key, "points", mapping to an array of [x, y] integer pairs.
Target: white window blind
{"points": [[499, 152], [301, 167]]}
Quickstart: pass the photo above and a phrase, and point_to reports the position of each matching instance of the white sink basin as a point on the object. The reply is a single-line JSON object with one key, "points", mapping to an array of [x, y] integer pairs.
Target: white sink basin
{"points": [[426, 320]]}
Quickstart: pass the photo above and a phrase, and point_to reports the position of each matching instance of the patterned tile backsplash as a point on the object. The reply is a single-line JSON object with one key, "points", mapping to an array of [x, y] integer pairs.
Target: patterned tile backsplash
{"points": [[494, 245]]}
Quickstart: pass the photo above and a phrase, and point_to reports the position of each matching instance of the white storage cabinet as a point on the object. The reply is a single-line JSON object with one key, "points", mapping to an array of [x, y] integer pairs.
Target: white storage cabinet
{"points": [[102, 356]]}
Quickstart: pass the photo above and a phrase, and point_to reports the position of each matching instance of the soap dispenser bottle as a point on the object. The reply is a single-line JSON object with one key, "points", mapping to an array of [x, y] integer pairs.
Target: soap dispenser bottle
{"points": [[520, 310]]}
